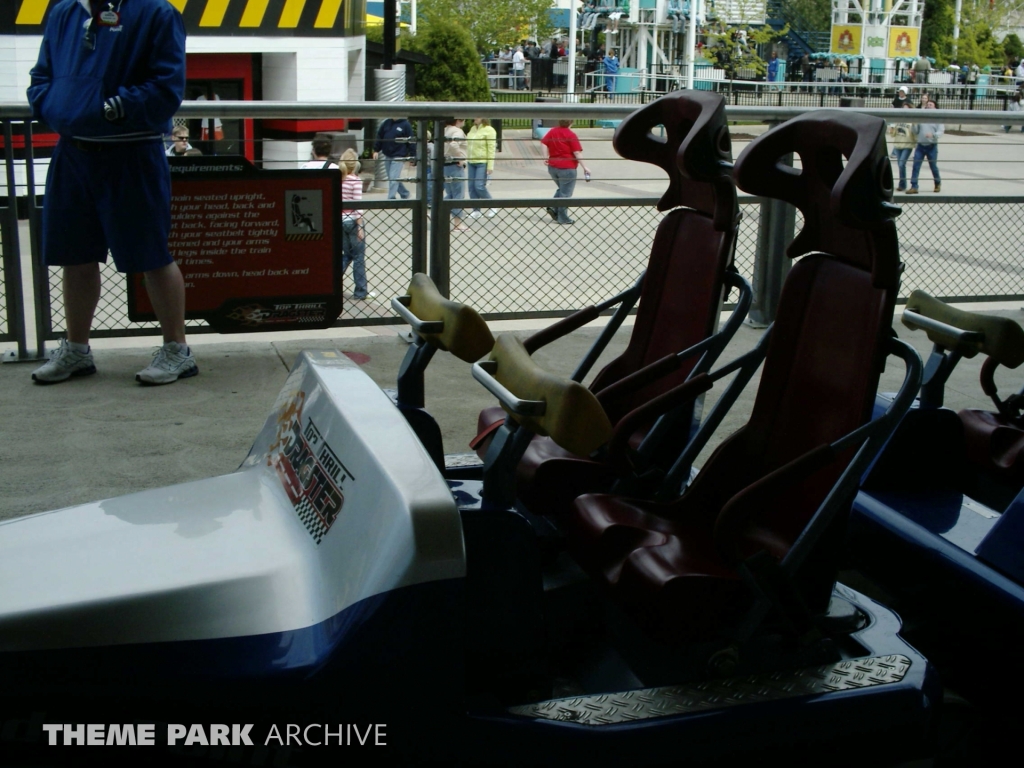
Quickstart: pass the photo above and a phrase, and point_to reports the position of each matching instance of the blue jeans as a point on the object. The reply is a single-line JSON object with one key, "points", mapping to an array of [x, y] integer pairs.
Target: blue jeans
{"points": [[478, 182], [902, 155], [565, 179], [931, 151], [454, 185], [353, 251], [394, 167]]}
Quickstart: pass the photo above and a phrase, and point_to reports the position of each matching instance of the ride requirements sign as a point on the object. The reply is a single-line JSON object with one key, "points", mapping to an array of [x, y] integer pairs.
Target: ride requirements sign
{"points": [[215, 734], [258, 250]]}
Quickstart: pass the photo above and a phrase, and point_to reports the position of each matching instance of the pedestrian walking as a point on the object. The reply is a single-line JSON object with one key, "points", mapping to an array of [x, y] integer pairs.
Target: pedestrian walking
{"points": [[563, 154], [611, 70], [394, 141], [519, 68], [455, 168], [108, 81], [927, 135], [922, 67], [481, 142]]}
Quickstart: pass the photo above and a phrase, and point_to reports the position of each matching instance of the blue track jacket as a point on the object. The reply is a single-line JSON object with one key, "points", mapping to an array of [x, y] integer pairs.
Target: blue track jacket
{"points": [[139, 63]]}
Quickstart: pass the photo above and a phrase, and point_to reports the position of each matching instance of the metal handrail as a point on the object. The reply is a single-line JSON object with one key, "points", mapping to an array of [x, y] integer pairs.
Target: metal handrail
{"points": [[420, 110]]}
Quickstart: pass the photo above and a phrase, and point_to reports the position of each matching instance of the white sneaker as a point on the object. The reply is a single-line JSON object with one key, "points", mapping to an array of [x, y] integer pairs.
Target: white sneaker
{"points": [[170, 363], [64, 363], [491, 213], [475, 214]]}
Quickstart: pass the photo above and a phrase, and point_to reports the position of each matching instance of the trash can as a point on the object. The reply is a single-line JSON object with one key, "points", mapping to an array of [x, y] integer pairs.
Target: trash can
{"points": [[702, 69], [541, 74]]}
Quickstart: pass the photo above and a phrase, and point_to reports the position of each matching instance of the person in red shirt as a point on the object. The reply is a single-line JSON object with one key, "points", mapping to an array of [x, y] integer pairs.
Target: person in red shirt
{"points": [[563, 152]]}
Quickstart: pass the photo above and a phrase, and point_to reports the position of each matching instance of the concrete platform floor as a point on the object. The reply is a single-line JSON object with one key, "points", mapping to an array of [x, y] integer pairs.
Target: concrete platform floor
{"points": [[105, 435]]}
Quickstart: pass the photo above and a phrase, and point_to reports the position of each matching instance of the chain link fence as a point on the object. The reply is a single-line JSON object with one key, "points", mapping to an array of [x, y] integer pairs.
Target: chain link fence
{"points": [[388, 238], [5, 253], [968, 249], [520, 262]]}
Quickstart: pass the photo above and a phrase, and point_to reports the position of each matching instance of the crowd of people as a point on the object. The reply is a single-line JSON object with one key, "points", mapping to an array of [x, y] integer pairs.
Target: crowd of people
{"points": [[511, 63]]}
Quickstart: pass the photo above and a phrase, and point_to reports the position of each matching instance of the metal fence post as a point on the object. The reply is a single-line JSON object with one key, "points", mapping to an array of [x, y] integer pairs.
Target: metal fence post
{"points": [[775, 232], [40, 273], [440, 230], [12, 257], [420, 210]]}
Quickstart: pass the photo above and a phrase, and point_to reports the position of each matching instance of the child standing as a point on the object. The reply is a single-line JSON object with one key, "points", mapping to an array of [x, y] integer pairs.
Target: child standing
{"points": [[353, 234]]}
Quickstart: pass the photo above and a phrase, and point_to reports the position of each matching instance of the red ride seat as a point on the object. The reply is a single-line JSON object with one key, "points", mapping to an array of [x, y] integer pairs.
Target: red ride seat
{"points": [[682, 292], [675, 565]]}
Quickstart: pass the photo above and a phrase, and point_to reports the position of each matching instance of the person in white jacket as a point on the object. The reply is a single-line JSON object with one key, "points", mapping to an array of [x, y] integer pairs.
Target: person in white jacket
{"points": [[903, 144]]}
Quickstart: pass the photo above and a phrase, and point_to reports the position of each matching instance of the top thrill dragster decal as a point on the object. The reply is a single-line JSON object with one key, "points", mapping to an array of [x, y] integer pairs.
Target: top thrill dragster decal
{"points": [[312, 475]]}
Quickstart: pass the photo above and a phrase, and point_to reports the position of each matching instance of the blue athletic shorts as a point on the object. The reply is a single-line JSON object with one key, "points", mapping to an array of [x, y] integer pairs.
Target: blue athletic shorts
{"points": [[116, 199]]}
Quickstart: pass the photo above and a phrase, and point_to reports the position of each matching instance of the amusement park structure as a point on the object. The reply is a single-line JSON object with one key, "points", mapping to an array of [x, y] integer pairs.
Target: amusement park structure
{"points": [[880, 32], [657, 39]]}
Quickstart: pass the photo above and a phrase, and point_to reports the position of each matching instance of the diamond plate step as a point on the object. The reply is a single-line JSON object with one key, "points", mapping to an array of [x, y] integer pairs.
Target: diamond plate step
{"points": [[650, 703]]}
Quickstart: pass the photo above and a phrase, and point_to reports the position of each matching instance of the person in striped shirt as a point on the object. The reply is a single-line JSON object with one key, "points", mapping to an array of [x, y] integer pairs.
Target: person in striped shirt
{"points": [[353, 233]]}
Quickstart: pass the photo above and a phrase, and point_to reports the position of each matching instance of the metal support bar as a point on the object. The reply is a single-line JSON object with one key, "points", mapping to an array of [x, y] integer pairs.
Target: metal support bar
{"points": [[40, 274], [775, 232], [420, 211], [440, 232], [12, 257]]}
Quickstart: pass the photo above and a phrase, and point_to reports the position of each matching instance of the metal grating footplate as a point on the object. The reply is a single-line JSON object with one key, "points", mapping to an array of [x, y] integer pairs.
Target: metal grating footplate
{"points": [[649, 703]]}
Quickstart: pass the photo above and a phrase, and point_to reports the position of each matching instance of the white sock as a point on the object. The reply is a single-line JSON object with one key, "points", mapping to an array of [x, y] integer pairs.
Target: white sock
{"points": [[82, 349]]}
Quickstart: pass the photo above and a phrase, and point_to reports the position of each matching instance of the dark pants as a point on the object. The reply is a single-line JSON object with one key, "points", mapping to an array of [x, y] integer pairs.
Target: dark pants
{"points": [[353, 251]]}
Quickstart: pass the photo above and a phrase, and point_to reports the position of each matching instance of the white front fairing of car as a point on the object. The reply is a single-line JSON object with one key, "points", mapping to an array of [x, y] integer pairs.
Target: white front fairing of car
{"points": [[336, 502]]}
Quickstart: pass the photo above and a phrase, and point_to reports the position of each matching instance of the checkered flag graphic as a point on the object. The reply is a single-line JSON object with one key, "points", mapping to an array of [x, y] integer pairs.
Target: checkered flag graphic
{"points": [[313, 522]]}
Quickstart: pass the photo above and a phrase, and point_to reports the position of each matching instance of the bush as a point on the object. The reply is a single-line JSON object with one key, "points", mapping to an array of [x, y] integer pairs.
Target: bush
{"points": [[455, 72]]}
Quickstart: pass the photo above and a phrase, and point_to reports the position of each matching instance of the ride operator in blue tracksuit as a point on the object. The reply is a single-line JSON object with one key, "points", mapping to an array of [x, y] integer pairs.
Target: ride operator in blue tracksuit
{"points": [[110, 76]]}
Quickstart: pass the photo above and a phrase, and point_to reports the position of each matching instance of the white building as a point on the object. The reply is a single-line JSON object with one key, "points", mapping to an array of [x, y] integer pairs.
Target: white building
{"points": [[301, 50]]}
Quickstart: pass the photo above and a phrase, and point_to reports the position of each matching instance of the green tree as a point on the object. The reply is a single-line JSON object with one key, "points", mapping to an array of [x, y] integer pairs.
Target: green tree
{"points": [[977, 43], [736, 47], [814, 15], [492, 23], [455, 72], [1013, 48]]}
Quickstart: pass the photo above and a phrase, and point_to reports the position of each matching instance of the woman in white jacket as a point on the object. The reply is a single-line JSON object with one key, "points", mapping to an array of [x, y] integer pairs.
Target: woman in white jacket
{"points": [[902, 144]]}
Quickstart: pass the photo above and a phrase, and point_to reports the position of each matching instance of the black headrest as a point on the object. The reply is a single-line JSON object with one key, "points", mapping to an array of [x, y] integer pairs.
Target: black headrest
{"points": [[695, 151], [843, 188]]}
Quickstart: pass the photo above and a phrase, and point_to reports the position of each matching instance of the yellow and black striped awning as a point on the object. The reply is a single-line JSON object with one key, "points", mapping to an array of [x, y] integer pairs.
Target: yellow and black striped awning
{"points": [[285, 18]]}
